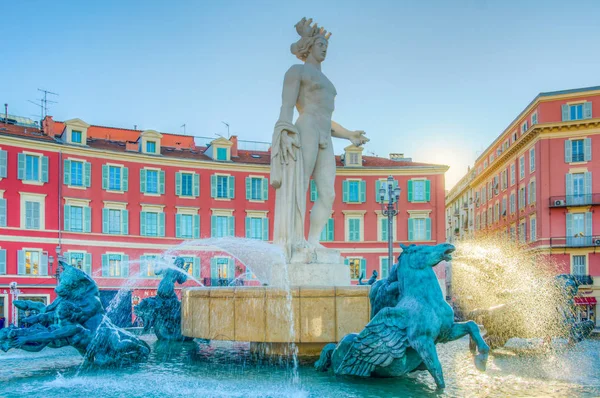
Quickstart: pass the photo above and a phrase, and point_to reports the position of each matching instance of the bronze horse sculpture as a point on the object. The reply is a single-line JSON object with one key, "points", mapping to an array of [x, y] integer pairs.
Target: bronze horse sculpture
{"points": [[410, 316]]}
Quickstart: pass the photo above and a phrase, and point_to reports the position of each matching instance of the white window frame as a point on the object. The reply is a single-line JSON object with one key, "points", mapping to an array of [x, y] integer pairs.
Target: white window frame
{"points": [[354, 214], [33, 197]]}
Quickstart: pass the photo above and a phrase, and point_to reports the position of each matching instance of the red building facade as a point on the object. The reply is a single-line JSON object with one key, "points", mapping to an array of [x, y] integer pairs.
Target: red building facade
{"points": [[112, 201]]}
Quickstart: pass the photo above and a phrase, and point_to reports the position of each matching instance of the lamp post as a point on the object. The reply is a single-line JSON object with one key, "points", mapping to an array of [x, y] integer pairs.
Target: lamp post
{"points": [[390, 210]]}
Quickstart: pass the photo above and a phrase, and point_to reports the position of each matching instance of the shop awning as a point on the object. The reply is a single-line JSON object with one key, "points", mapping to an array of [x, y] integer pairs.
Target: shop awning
{"points": [[585, 301]]}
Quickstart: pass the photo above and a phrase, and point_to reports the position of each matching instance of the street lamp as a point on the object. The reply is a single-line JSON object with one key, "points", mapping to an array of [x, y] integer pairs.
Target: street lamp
{"points": [[390, 209]]}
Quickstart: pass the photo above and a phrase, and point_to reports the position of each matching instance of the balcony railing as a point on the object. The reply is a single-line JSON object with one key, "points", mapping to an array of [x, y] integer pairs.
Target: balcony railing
{"points": [[575, 241], [219, 281], [575, 200], [584, 279]]}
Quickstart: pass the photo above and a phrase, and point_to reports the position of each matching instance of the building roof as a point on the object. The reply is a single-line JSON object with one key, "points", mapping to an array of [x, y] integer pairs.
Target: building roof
{"points": [[177, 146]]}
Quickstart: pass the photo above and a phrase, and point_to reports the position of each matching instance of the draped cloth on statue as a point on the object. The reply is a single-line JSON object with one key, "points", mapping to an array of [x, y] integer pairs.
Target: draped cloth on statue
{"points": [[288, 180]]}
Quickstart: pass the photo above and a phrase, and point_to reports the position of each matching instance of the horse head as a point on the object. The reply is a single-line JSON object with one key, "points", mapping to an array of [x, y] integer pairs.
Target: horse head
{"points": [[424, 256], [75, 284]]}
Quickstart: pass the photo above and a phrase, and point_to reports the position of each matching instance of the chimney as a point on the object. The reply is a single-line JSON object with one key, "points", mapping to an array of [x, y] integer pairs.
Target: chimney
{"points": [[234, 147], [48, 125], [131, 146], [399, 157], [5, 113]]}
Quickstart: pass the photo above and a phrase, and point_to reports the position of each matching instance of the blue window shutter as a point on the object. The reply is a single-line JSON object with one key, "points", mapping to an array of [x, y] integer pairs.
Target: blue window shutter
{"points": [[196, 185], [124, 222], [105, 215], [428, 228], [565, 113], [587, 149], [587, 110], [142, 181], [588, 224], [44, 265], [124, 266], [21, 168], [410, 190], [2, 261], [196, 226], [587, 187], [143, 223], [21, 262], [231, 269], [67, 225], [105, 265], [104, 176], [87, 168], [363, 266], [345, 191], [67, 172], [196, 269], [363, 191], [178, 225], [3, 163], [384, 228], [87, 219], [330, 230], [87, 264], [346, 261], [213, 226], [214, 271], [161, 224], [2, 212], [124, 179], [265, 228], [143, 267], [177, 183], [313, 191], [265, 189], [248, 188], [213, 186], [44, 169], [231, 187], [248, 227], [231, 225], [569, 187], [568, 151], [385, 267], [569, 226], [161, 188], [377, 188], [411, 222], [427, 190]]}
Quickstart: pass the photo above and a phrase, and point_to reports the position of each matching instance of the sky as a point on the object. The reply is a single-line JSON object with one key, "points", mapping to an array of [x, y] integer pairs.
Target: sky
{"points": [[436, 80]]}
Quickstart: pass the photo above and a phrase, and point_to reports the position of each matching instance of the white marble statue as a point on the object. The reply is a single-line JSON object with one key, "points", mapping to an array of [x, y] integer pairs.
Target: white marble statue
{"points": [[304, 149]]}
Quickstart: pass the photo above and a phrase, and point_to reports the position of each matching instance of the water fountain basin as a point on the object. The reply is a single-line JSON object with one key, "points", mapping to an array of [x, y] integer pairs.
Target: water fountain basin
{"points": [[261, 315]]}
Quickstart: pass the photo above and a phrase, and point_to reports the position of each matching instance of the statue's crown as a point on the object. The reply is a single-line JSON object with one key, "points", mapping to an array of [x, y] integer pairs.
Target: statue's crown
{"points": [[304, 29]]}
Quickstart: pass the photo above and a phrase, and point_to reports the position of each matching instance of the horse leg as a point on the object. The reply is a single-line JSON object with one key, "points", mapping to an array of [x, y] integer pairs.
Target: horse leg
{"points": [[425, 347], [461, 329]]}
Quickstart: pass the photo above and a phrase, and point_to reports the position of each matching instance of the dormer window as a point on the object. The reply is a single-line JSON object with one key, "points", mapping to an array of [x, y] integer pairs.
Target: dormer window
{"points": [[219, 149], [76, 137], [150, 146], [149, 142], [353, 156], [221, 153]]}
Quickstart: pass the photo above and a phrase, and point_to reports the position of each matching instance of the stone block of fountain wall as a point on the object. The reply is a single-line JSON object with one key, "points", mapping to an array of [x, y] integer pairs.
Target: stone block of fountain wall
{"points": [[320, 267], [319, 314]]}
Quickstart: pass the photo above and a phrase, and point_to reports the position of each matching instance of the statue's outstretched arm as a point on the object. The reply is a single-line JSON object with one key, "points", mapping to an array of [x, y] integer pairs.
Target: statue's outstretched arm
{"points": [[357, 137], [47, 337], [40, 318]]}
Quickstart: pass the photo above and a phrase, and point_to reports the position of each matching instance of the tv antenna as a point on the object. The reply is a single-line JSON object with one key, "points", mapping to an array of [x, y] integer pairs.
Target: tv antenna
{"points": [[45, 101], [227, 124], [41, 105], [183, 125]]}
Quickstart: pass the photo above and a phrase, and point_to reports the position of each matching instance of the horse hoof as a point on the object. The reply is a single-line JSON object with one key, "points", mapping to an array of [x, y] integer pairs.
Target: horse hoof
{"points": [[481, 361]]}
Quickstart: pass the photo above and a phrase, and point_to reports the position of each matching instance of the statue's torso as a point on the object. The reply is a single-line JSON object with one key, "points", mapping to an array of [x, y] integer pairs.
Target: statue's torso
{"points": [[317, 93]]}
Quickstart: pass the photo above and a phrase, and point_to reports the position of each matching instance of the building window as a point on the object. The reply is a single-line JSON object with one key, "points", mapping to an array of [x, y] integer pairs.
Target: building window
{"points": [[532, 230], [187, 226], [579, 229], [32, 167], [358, 267], [384, 267], [485, 164], [148, 265], [524, 127], [221, 153], [222, 187], [32, 262], [579, 266], [151, 181], [152, 223], [534, 118], [419, 229], [150, 146], [577, 111], [187, 184], [115, 265], [531, 160], [257, 228], [76, 218], [523, 232], [383, 184], [531, 197], [76, 173], [114, 221], [521, 197], [114, 178], [577, 154], [80, 260], [327, 235], [504, 206], [354, 229], [579, 188], [504, 178], [222, 226], [419, 190], [257, 188], [512, 174], [522, 167], [222, 271], [354, 191], [512, 203], [578, 150], [32, 215], [76, 136]]}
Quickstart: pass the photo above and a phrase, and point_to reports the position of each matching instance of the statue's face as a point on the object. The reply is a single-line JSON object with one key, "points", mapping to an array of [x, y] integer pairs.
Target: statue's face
{"points": [[319, 49]]}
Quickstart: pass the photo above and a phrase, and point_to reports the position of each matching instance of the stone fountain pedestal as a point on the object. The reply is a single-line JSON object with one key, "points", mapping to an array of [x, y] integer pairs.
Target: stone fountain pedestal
{"points": [[261, 315]]}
